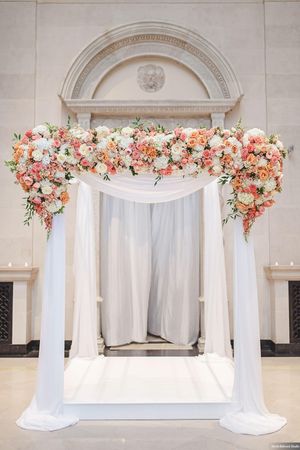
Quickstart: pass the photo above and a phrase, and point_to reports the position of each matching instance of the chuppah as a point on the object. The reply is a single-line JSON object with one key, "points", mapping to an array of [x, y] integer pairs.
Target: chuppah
{"points": [[157, 167]]}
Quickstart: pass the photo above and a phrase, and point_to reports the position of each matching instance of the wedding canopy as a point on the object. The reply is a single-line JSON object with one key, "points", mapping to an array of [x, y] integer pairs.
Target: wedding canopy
{"points": [[251, 162]]}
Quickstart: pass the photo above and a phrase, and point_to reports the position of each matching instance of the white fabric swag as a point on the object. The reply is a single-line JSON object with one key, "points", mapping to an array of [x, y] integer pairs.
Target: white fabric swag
{"points": [[251, 416]]}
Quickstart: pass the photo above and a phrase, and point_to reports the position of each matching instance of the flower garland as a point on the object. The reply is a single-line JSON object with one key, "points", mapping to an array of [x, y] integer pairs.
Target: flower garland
{"points": [[45, 159]]}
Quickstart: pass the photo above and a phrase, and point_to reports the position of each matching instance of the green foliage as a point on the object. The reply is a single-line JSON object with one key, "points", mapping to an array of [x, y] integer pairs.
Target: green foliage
{"points": [[12, 165], [29, 211]]}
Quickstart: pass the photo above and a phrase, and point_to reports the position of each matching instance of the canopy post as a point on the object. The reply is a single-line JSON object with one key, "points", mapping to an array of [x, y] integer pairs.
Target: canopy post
{"points": [[250, 415]]}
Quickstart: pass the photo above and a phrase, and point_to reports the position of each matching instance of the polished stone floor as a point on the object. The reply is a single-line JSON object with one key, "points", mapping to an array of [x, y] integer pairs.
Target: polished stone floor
{"points": [[282, 392]]}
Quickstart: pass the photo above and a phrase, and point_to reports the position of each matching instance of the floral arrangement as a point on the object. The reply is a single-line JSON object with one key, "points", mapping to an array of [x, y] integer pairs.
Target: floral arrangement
{"points": [[46, 158]]}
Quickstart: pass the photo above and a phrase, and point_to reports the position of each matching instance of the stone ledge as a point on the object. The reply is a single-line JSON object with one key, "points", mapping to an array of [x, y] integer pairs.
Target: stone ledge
{"points": [[284, 272], [18, 273]]}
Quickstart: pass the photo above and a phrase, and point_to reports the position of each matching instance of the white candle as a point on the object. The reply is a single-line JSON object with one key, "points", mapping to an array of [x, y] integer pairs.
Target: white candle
{"points": [[26, 264], [9, 264], [276, 264], [291, 263]]}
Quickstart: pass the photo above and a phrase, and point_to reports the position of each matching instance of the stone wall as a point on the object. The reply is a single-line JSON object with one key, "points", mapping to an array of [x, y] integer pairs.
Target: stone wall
{"points": [[40, 40]]}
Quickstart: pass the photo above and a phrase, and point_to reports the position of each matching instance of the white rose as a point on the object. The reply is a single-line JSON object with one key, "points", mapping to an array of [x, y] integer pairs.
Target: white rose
{"points": [[127, 131], [61, 158], [102, 131], [215, 141], [217, 169], [47, 190], [199, 148], [127, 160], [245, 198], [54, 206], [161, 162], [176, 151], [37, 155], [262, 162], [101, 168], [40, 129], [84, 150], [270, 185]]}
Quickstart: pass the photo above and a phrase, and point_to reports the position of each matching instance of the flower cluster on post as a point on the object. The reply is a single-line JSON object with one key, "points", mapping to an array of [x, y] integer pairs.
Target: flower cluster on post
{"points": [[46, 158]]}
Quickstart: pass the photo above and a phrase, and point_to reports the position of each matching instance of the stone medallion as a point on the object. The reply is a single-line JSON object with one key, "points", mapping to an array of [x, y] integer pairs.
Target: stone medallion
{"points": [[151, 77]]}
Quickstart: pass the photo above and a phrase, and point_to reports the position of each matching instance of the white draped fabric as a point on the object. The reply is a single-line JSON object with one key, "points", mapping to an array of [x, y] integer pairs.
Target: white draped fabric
{"points": [[251, 416], [84, 340], [174, 295], [217, 334], [45, 412], [125, 270], [142, 188]]}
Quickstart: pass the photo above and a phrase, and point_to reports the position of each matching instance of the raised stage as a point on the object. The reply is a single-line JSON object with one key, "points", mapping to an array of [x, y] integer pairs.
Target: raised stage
{"points": [[173, 387]]}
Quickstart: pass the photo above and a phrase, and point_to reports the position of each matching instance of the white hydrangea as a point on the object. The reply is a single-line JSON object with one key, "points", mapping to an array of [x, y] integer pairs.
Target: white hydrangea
{"points": [[234, 141], [161, 162], [262, 162], [37, 155], [40, 129], [101, 168], [42, 144], [102, 144], [79, 133], [70, 159], [215, 141], [125, 142], [270, 185], [189, 169], [127, 131], [102, 131], [199, 148], [245, 198], [46, 160], [54, 206]]}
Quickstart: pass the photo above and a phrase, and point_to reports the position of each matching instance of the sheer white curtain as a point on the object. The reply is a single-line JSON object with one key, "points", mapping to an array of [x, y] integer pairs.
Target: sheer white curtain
{"points": [[217, 334], [174, 297], [251, 415], [45, 412], [125, 270], [84, 340]]}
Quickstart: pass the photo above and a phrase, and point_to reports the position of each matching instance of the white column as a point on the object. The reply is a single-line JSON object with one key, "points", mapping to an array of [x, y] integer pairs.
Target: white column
{"points": [[100, 340], [84, 120], [218, 119]]}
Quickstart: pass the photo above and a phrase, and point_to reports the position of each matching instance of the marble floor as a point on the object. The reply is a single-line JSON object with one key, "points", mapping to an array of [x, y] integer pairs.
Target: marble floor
{"points": [[17, 377]]}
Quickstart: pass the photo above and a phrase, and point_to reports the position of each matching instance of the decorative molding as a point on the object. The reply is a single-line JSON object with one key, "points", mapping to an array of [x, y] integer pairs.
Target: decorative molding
{"points": [[143, 39], [284, 272], [18, 273], [151, 77], [155, 108]]}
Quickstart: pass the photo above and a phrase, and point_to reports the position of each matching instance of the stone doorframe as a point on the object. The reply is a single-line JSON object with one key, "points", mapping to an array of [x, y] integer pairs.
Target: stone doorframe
{"points": [[161, 39]]}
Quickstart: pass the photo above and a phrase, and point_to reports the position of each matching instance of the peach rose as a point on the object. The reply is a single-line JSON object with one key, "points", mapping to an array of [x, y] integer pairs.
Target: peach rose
{"points": [[64, 197]]}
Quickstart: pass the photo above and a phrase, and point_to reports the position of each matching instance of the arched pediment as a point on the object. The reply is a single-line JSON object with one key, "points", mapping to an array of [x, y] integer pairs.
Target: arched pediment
{"points": [[155, 39]]}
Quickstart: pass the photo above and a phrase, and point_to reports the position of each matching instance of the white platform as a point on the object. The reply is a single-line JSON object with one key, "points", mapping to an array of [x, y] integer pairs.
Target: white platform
{"points": [[149, 387]]}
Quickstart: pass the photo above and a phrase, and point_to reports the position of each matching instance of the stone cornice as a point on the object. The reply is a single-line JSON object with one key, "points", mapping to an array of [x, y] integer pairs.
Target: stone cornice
{"points": [[288, 272], [18, 273], [148, 108]]}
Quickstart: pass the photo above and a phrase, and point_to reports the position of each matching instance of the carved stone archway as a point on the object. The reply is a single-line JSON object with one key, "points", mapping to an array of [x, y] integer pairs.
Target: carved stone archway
{"points": [[156, 39]]}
